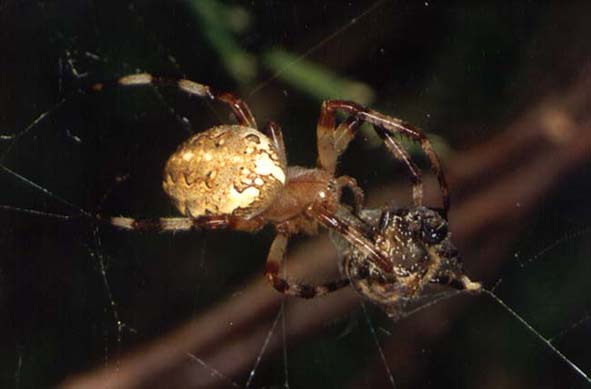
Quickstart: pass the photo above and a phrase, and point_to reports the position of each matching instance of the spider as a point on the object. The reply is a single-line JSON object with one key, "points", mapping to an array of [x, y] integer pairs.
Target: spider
{"points": [[237, 177]]}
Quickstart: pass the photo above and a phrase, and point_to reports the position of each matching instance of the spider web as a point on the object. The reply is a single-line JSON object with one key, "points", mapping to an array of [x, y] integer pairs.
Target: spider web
{"points": [[82, 296]]}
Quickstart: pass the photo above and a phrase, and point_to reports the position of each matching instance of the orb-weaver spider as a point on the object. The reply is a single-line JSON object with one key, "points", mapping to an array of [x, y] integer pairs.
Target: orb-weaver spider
{"points": [[236, 177]]}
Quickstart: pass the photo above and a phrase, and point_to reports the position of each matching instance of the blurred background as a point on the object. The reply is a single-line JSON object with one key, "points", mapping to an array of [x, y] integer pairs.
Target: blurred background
{"points": [[503, 91]]}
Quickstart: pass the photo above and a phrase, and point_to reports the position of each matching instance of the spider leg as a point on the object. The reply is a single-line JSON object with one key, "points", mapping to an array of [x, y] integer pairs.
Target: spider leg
{"points": [[238, 106], [353, 235], [415, 174], [385, 126], [459, 282], [273, 131], [275, 259], [358, 195], [177, 224], [332, 140]]}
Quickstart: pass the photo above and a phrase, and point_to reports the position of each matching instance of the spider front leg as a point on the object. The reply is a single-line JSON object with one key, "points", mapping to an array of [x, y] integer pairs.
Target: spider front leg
{"points": [[275, 259], [333, 140]]}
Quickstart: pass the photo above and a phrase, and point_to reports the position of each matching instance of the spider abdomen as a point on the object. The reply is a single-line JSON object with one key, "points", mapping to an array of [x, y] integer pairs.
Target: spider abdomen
{"points": [[226, 170]]}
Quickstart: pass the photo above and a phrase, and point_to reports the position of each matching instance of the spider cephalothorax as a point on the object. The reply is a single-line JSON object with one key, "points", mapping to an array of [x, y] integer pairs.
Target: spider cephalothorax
{"points": [[237, 177], [419, 248]]}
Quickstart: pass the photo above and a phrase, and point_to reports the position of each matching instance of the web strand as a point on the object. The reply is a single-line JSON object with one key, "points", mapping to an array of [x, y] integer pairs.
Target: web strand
{"points": [[212, 370], [547, 342], [378, 346], [35, 212], [252, 373], [45, 191], [319, 45]]}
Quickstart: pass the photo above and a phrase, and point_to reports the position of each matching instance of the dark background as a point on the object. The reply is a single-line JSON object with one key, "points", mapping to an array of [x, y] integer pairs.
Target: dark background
{"points": [[464, 71]]}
